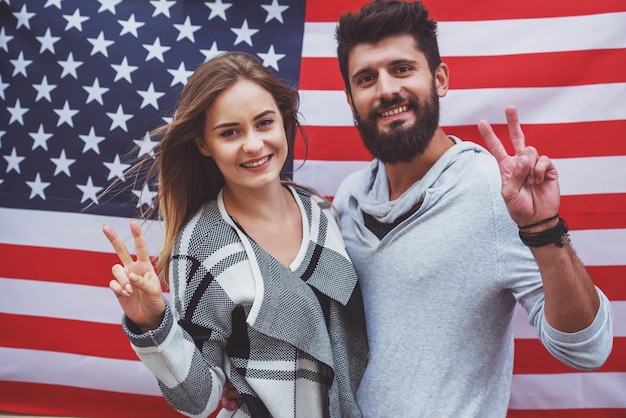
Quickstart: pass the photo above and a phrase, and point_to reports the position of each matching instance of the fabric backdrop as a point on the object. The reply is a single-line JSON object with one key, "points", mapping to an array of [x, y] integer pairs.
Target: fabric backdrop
{"points": [[83, 82]]}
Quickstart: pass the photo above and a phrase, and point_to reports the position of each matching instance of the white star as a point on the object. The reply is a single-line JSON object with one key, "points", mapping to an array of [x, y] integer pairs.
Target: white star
{"points": [[75, 20], [13, 161], [156, 50], [244, 34], [150, 97], [100, 45], [66, 114], [218, 9], [1, 135], [70, 66], [274, 11], [91, 141], [56, 3], [162, 6], [23, 18], [186, 30], [20, 65], [144, 196], [119, 118], [271, 58], [89, 191], [130, 26], [210, 53], [116, 168], [95, 92], [146, 145], [4, 40], [17, 112], [181, 75], [3, 87], [62, 164], [37, 187], [124, 70], [47, 41], [108, 5], [40, 138], [44, 89]]}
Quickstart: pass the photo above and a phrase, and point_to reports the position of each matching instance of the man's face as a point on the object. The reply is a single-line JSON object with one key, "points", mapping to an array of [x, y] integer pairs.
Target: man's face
{"points": [[395, 98]]}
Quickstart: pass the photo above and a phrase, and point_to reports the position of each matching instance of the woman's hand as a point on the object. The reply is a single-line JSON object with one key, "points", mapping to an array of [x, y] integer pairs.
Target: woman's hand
{"points": [[136, 284]]}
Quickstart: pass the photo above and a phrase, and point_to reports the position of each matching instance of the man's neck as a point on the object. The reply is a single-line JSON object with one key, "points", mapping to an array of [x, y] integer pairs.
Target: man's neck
{"points": [[402, 176]]}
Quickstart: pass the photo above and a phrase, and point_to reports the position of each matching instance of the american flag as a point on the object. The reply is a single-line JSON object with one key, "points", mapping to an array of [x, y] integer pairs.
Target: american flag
{"points": [[82, 82]]}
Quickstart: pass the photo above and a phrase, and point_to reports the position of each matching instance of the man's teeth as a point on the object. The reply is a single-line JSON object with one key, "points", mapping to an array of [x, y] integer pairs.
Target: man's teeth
{"points": [[395, 111], [256, 163]]}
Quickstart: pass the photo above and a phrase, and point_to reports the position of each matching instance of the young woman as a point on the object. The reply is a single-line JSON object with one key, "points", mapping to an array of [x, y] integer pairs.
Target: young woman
{"points": [[262, 290]]}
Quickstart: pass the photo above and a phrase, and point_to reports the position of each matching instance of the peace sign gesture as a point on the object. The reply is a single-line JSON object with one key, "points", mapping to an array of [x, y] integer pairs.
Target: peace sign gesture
{"points": [[136, 284], [530, 186]]}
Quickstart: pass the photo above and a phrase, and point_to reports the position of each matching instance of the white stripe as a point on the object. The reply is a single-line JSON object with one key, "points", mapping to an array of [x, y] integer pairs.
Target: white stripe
{"points": [[70, 301], [568, 391], [528, 36], [74, 370], [536, 105], [92, 304], [591, 175], [577, 176], [499, 37], [523, 330], [70, 230], [536, 391]]}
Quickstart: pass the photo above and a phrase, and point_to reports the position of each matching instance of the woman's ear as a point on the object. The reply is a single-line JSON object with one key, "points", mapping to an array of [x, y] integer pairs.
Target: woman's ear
{"points": [[202, 147]]}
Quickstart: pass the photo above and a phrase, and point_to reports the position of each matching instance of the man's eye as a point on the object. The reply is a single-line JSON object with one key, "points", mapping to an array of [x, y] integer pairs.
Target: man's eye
{"points": [[365, 79]]}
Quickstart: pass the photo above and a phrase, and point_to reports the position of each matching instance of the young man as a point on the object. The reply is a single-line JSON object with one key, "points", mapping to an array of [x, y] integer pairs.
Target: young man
{"points": [[442, 258]]}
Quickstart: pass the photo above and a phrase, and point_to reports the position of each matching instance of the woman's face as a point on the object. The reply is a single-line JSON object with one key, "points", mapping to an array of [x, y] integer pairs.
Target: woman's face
{"points": [[245, 135]]}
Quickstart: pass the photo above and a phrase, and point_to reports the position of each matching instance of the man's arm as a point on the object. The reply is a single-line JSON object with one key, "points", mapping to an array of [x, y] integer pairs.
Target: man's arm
{"points": [[530, 189]]}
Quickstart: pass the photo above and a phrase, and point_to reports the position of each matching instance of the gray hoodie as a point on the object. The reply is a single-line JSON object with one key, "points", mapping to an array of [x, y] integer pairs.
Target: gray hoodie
{"points": [[441, 288]]}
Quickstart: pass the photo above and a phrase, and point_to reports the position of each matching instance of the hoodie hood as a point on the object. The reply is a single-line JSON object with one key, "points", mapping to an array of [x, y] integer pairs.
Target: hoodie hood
{"points": [[373, 195]]}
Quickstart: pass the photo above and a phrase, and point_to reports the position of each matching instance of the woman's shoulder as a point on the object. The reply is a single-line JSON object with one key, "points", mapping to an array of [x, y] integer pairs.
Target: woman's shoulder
{"points": [[206, 231]]}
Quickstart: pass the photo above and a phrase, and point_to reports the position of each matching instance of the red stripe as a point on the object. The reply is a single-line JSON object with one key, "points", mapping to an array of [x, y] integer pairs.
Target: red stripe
{"points": [[598, 211], [525, 70], [559, 140], [57, 265], [54, 264], [64, 335], [42, 399], [567, 413], [451, 10], [610, 279], [531, 357], [571, 140]]}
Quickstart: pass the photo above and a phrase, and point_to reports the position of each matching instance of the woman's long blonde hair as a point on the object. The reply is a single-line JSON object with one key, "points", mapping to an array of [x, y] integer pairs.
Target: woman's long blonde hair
{"points": [[186, 178]]}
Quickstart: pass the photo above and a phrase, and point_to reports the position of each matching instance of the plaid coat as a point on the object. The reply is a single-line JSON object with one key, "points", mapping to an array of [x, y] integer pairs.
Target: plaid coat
{"points": [[292, 341]]}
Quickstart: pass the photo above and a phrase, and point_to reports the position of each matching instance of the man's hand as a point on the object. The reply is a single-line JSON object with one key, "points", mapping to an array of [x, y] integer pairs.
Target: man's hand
{"points": [[530, 186]]}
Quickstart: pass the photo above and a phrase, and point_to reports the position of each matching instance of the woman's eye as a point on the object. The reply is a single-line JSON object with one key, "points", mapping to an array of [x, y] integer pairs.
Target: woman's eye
{"points": [[227, 133], [266, 122]]}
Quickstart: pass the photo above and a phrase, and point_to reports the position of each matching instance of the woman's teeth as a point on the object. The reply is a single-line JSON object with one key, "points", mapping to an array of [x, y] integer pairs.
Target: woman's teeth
{"points": [[256, 163]]}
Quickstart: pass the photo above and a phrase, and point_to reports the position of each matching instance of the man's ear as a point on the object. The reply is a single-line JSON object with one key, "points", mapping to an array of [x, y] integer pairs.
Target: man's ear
{"points": [[442, 79], [202, 147]]}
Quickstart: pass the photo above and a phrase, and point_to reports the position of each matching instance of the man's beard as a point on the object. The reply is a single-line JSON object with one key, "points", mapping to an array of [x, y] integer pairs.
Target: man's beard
{"points": [[401, 144]]}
